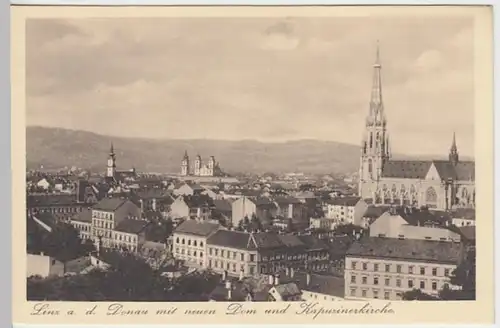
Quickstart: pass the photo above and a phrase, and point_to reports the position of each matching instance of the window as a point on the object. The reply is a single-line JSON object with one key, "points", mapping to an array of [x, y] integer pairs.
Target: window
{"points": [[375, 294], [434, 271], [252, 257], [434, 285], [387, 268], [222, 253], [189, 242], [194, 253], [201, 254], [387, 281], [195, 243], [242, 256], [375, 267], [410, 283], [422, 285], [446, 272], [387, 295], [201, 244], [353, 291], [410, 269], [353, 265], [375, 280], [363, 293], [401, 236], [210, 251], [398, 282], [422, 270], [398, 268], [209, 263], [446, 286], [365, 266], [364, 280], [216, 252], [183, 241], [353, 279]]}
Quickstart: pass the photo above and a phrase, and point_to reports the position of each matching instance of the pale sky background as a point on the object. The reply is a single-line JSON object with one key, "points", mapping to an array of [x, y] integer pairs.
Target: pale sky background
{"points": [[267, 79]]}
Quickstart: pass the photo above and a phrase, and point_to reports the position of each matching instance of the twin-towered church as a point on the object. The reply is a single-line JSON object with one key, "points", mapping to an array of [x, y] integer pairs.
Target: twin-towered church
{"points": [[440, 184], [211, 169]]}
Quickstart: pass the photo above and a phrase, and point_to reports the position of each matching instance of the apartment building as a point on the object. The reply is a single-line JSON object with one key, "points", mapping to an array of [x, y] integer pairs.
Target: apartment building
{"points": [[385, 268], [190, 241]]}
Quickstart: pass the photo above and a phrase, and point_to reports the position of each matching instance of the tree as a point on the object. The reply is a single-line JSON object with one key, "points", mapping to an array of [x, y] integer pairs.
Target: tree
{"points": [[463, 276], [255, 223], [129, 278], [418, 295]]}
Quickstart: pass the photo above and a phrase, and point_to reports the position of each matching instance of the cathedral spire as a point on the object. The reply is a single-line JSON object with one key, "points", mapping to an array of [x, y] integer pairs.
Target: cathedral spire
{"points": [[377, 115], [186, 154], [453, 157]]}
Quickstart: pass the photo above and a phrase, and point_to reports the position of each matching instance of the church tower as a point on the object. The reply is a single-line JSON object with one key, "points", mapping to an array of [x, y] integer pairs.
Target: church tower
{"points": [[185, 164], [375, 144], [111, 167], [453, 156], [197, 165]]}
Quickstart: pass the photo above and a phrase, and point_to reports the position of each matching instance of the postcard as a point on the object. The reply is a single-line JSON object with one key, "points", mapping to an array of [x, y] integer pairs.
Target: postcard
{"points": [[252, 164]]}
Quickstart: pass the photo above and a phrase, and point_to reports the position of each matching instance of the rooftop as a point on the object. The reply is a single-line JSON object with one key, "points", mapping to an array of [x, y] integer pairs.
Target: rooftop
{"points": [[197, 228], [131, 226], [109, 204], [406, 249]]}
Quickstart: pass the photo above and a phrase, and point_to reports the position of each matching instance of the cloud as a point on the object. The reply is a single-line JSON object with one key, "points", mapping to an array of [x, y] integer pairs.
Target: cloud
{"points": [[252, 78]]}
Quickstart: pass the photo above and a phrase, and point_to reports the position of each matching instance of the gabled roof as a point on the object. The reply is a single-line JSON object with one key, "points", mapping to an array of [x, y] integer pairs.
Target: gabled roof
{"points": [[406, 249], [319, 283], [109, 204], [197, 228], [375, 211], [131, 226], [263, 240], [468, 232], [286, 200], [222, 205], [288, 290]]}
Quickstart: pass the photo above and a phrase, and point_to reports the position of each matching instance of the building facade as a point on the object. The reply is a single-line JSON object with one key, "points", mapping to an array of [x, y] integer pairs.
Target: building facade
{"points": [[442, 184], [386, 268]]}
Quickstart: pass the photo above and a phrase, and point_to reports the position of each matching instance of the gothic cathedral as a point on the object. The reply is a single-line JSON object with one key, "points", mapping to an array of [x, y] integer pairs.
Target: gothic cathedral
{"points": [[439, 184]]}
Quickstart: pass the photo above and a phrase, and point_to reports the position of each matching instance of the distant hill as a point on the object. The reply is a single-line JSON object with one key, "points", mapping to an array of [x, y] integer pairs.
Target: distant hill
{"points": [[56, 148]]}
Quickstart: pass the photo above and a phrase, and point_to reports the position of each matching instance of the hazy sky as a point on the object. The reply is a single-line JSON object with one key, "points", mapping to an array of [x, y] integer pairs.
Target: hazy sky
{"points": [[254, 78]]}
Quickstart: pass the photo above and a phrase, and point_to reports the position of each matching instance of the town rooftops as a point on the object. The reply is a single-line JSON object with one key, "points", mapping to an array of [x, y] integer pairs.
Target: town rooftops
{"points": [[51, 200], [406, 249], [468, 232], [374, 212], [197, 228], [109, 204], [318, 283], [131, 226], [464, 213]]}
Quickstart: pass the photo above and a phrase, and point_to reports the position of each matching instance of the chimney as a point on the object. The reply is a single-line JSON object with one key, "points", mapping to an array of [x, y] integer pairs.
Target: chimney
{"points": [[224, 275], [276, 279], [271, 279], [292, 272], [241, 275], [42, 254], [308, 278]]}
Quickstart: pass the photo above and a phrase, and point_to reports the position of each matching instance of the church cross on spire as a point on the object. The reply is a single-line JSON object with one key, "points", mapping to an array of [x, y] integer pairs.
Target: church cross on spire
{"points": [[112, 149]]}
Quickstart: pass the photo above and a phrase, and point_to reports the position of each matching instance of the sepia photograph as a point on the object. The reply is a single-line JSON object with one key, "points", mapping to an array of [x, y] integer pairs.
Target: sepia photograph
{"points": [[273, 158]]}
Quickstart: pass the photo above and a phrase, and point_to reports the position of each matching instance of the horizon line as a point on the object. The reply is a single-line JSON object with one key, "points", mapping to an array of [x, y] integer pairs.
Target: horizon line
{"points": [[232, 140]]}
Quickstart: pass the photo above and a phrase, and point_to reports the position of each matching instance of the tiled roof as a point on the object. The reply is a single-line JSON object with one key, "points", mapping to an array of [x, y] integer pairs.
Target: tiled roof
{"points": [[312, 242], [406, 249], [51, 200], [222, 205], [197, 228], [131, 226], [319, 283], [84, 216], [406, 169], [291, 241], [468, 232], [197, 201], [229, 238], [466, 171], [375, 211], [418, 217], [266, 240], [286, 200], [153, 193], [109, 204], [344, 201]]}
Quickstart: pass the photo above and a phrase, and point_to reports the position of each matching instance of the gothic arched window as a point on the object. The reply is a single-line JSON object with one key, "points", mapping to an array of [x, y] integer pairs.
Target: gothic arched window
{"points": [[412, 189], [431, 197], [371, 140], [403, 189], [384, 187], [394, 189], [370, 168]]}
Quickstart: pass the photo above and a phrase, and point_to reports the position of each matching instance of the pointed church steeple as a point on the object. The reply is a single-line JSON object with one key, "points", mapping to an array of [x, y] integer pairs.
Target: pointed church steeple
{"points": [[111, 149], [453, 157], [376, 115]]}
